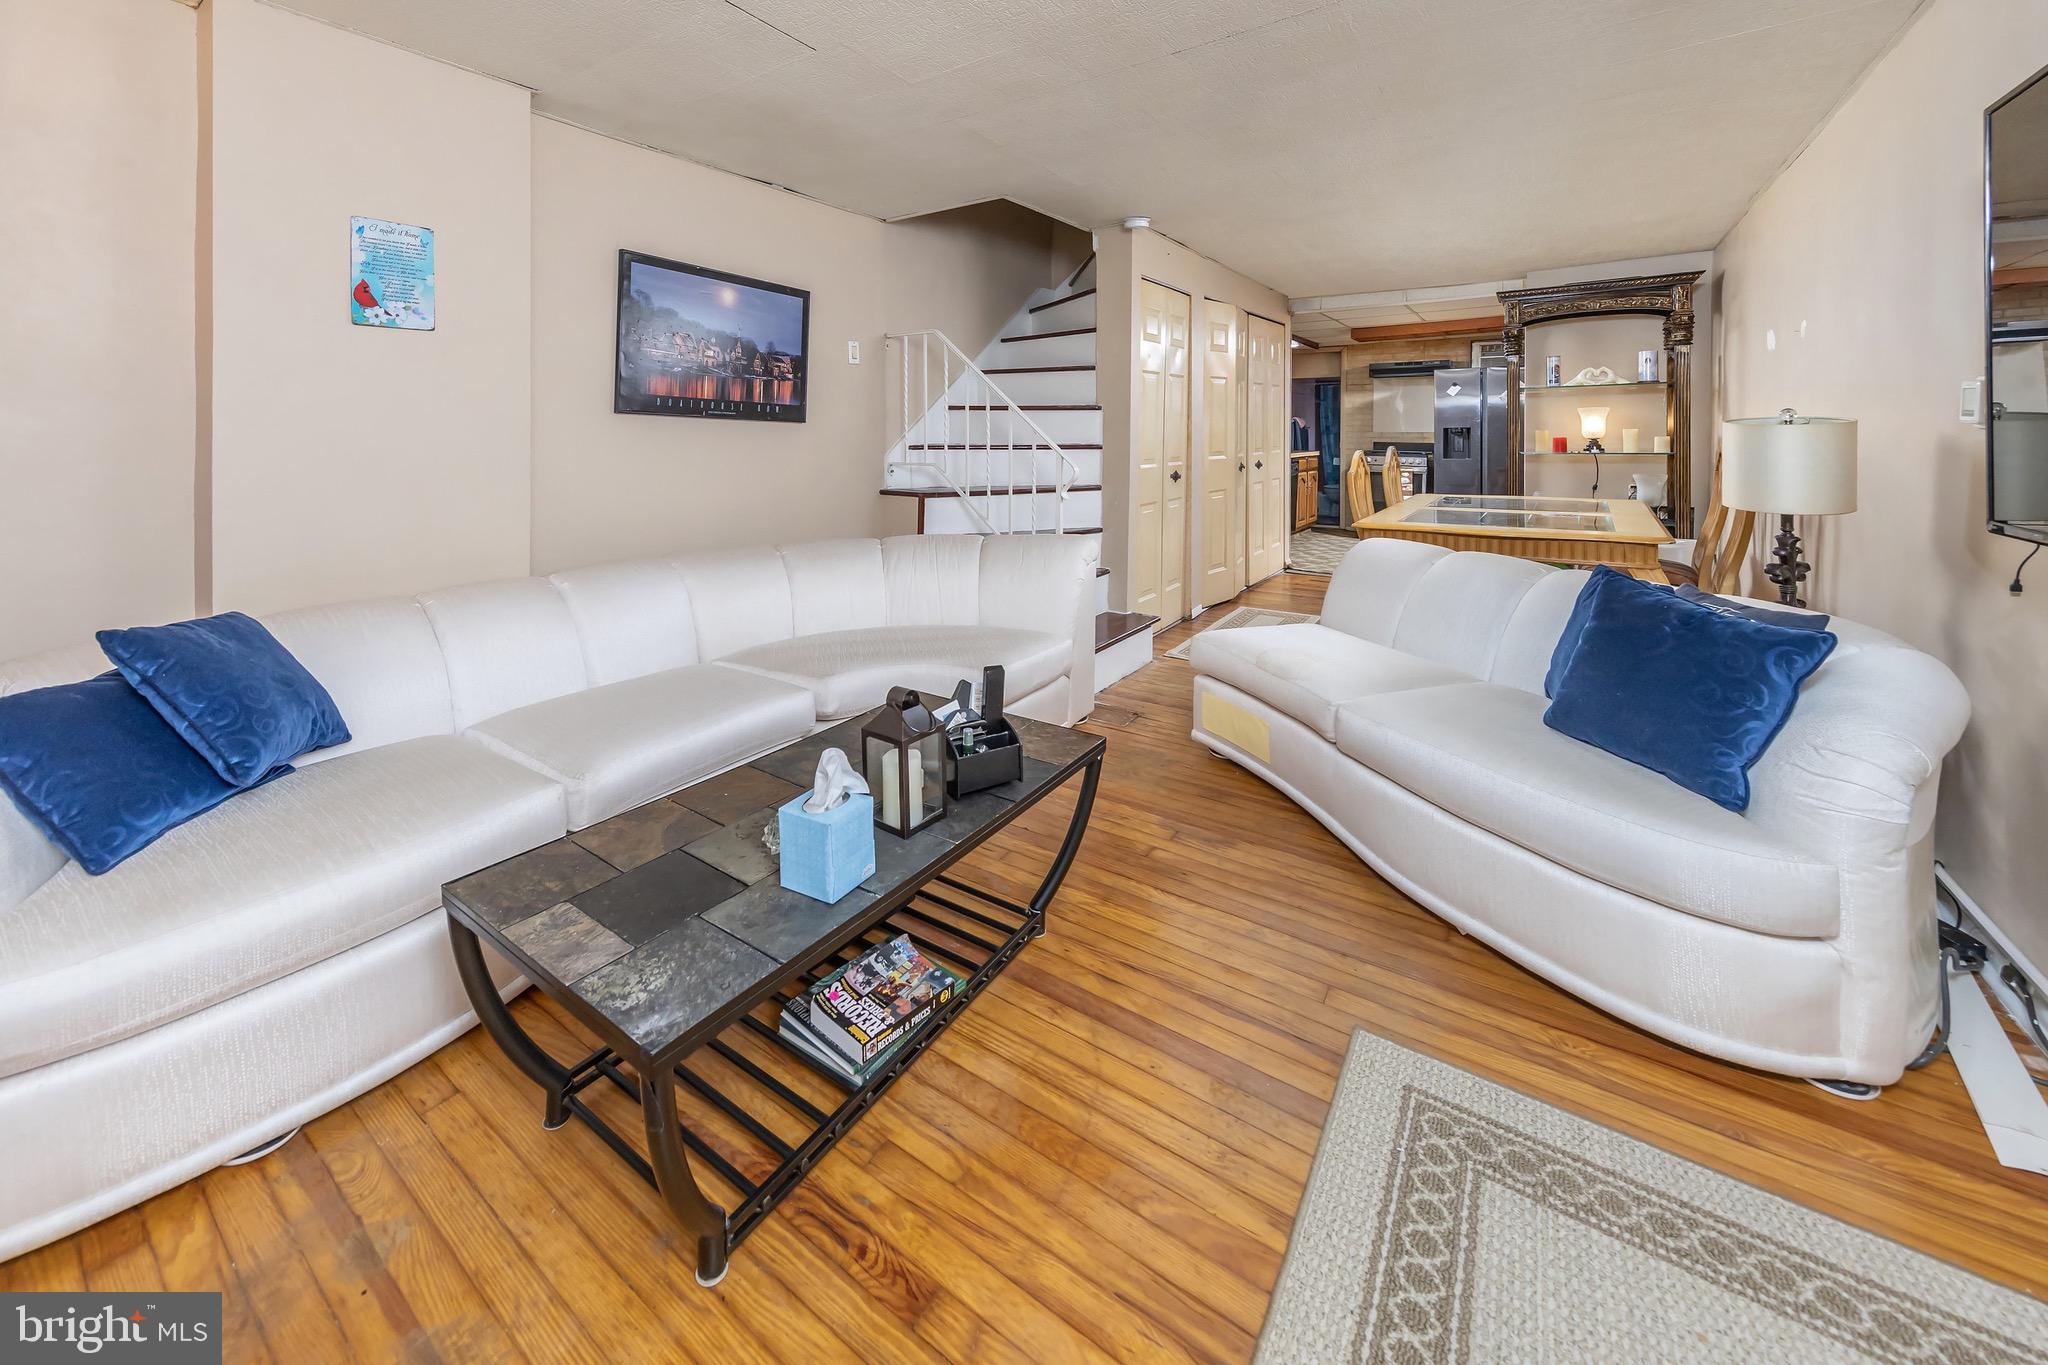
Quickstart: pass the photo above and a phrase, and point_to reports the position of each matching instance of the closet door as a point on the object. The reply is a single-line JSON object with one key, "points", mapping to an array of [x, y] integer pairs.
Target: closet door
{"points": [[1267, 504], [1222, 506], [1173, 539], [1159, 493]]}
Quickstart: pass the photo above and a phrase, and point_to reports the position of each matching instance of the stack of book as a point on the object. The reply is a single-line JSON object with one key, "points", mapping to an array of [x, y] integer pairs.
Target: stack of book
{"points": [[854, 1018]]}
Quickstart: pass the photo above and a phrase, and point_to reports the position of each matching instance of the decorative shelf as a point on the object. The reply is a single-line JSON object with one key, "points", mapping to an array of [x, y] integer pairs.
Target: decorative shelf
{"points": [[1603, 454], [1581, 388]]}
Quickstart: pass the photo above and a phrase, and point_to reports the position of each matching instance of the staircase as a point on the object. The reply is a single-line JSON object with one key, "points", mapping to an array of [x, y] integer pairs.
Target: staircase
{"points": [[1009, 442]]}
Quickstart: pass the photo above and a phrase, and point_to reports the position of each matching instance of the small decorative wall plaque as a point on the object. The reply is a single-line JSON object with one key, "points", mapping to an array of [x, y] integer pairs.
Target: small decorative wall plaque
{"points": [[390, 275]]}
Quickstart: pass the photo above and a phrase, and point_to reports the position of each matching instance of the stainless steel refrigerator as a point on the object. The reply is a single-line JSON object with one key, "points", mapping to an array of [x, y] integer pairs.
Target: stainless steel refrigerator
{"points": [[1472, 453]]}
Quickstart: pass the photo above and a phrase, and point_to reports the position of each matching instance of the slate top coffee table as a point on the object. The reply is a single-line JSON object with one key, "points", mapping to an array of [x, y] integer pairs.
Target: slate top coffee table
{"points": [[666, 931]]}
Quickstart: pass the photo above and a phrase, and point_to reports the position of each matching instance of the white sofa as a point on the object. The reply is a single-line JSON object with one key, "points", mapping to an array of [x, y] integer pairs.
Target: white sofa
{"points": [[286, 951], [1798, 937]]}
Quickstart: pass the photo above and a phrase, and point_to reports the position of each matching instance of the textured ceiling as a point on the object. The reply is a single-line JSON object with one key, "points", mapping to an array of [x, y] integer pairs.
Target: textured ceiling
{"points": [[1319, 147]]}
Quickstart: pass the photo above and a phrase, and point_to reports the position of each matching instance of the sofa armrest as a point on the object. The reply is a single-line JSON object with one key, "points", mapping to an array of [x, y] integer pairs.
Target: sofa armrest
{"points": [[1046, 583], [1852, 773]]}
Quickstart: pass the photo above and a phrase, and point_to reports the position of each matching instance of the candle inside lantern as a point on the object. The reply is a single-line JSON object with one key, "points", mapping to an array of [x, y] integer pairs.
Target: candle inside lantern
{"points": [[892, 790]]}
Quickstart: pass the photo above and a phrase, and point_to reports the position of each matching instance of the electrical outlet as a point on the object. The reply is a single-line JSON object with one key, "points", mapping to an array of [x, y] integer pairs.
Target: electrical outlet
{"points": [[853, 353]]}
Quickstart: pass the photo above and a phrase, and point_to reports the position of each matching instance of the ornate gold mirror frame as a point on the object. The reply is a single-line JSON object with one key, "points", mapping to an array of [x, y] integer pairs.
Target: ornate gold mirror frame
{"points": [[1666, 296]]}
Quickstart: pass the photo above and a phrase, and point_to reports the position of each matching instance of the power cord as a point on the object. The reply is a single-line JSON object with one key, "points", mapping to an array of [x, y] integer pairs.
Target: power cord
{"points": [[2016, 982], [2016, 587]]}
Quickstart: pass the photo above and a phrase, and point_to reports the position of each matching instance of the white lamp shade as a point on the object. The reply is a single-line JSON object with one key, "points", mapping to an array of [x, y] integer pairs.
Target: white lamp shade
{"points": [[1805, 466], [1593, 423]]}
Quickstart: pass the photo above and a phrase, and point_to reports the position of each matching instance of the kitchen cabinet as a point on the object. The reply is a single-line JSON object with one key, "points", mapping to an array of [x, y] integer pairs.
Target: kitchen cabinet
{"points": [[1308, 487]]}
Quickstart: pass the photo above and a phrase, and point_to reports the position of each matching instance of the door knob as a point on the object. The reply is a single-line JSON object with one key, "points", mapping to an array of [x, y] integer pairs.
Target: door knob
{"points": [[1258, 464], [1175, 476], [1240, 466]]}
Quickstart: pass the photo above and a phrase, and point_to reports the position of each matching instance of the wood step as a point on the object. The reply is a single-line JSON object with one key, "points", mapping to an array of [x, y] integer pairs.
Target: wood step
{"points": [[1037, 369], [1101, 572], [1035, 445], [979, 492], [1070, 531], [1077, 294], [1112, 627], [1027, 407], [1040, 336]]}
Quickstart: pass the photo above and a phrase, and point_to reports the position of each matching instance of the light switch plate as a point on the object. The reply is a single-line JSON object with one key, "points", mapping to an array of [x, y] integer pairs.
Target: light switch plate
{"points": [[853, 353], [1972, 407]]}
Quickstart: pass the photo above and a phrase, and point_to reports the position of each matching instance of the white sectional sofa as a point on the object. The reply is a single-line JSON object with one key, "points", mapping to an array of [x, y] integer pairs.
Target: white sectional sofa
{"points": [[1798, 937], [286, 951]]}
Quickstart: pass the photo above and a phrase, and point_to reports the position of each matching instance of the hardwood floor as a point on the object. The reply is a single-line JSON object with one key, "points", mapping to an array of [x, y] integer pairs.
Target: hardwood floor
{"points": [[1100, 1160]]}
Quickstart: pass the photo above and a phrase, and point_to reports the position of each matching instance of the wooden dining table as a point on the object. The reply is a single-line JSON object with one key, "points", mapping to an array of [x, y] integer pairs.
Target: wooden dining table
{"points": [[1583, 532]]}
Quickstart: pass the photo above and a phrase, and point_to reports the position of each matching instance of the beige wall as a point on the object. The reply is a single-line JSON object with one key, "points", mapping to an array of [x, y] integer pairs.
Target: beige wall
{"points": [[97, 142], [610, 485], [198, 425], [1873, 241], [1123, 260], [352, 461]]}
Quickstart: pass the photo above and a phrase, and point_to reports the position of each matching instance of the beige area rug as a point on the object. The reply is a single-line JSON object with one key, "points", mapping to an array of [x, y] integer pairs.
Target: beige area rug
{"points": [[1452, 1219], [1317, 549], [1237, 620]]}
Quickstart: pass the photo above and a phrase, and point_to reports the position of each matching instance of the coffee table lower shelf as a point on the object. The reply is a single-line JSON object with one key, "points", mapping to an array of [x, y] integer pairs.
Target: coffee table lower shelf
{"points": [[975, 932]]}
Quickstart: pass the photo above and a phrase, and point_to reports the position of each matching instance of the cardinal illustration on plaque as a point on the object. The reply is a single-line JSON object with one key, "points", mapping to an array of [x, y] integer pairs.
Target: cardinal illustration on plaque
{"points": [[391, 275], [696, 342]]}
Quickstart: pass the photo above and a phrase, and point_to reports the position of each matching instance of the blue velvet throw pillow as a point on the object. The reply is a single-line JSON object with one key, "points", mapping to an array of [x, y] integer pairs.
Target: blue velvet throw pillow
{"points": [[1679, 688], [230, 689], [96, 769]]}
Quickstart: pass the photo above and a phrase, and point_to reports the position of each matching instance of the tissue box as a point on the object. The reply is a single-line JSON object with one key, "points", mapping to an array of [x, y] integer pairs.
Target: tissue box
{"points": [[828, 853]]}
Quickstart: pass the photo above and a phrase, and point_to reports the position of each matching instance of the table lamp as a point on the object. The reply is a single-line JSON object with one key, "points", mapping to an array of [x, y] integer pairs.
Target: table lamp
{"points": [[1794, 466], [1593, 426]]}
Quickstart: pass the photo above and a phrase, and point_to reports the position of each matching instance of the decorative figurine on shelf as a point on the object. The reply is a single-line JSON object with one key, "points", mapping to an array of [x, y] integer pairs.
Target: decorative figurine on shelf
{"points": [[827, 835], [1593, 374], [903, 752]]}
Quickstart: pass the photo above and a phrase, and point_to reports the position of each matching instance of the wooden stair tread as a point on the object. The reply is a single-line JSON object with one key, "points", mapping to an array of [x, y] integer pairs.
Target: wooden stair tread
{"points": [[1027, 407], [1112, 627], [1069, 298], [1036, 369], [978, 492], [1041, 336], [1014, 445]]}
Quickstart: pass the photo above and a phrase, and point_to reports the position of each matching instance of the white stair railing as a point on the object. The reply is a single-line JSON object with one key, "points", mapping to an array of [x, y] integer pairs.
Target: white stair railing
{"points": [[954, 425]]}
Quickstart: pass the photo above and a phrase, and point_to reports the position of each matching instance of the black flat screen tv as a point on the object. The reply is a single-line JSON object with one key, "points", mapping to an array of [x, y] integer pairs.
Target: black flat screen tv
{"points": [[696, 342]]}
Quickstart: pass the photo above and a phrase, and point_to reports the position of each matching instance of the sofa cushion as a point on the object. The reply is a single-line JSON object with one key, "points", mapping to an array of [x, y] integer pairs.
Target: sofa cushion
{"points": [[508, 644], [851, 671], [1482, 752], [614, 747], [1309, 670], [380, 661], [834, 585], [633, 618], [738, 599], [932, 580], [279, 878]]}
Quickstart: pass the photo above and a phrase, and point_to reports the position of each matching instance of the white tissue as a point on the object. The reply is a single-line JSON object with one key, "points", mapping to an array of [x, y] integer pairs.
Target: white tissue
{"points": [[836, 780]]}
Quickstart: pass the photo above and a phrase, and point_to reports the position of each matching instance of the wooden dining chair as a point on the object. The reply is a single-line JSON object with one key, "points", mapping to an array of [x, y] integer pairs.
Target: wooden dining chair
{"points": [[1393, 480], [1358, 487], [1713, 559]]}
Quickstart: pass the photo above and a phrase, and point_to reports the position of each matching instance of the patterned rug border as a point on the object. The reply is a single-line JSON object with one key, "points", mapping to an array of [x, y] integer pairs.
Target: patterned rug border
{"points": [[1367, 1278]]}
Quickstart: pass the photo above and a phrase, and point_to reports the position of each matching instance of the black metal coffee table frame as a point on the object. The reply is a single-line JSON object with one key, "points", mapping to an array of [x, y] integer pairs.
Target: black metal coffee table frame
{"points": [[933, 918]]}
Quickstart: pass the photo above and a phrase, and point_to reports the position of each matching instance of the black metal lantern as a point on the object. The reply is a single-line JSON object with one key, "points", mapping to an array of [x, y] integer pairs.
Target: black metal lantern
{"points": [[903, 756]]}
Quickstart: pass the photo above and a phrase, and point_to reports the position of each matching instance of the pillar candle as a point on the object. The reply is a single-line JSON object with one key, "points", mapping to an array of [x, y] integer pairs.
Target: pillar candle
{"points": [[1539, 439], [1629, 437], [1662, 445], [892, 800]]}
